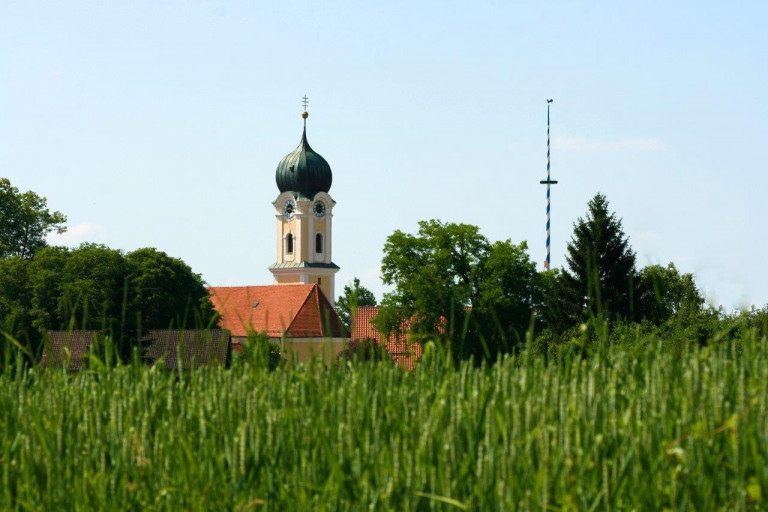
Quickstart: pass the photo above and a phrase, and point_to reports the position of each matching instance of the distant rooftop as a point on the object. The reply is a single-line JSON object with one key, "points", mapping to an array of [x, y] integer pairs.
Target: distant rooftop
{"points": [[404, 352]]}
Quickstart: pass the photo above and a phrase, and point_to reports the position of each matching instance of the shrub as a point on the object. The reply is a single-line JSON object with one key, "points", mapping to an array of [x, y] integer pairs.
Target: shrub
{"points": [[259, 350], [364, 350]]}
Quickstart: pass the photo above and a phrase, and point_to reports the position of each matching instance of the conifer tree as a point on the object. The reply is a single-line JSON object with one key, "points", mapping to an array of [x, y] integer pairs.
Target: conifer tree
{"points": [[601, 278]]}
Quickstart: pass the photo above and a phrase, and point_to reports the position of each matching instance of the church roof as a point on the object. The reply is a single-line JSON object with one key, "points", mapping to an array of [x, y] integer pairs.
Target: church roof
{"points": [[303, 171], [291, 310]]}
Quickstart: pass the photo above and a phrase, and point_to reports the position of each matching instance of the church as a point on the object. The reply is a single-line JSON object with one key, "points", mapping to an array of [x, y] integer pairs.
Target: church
{"points": [[297, 310]]}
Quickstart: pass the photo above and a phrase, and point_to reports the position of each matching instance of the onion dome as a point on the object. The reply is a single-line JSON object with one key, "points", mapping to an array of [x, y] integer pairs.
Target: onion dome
{"points": [[303, 171]]}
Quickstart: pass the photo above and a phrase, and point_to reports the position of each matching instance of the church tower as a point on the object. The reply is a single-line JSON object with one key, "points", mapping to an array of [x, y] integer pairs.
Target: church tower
{"points": [[303, 219]]}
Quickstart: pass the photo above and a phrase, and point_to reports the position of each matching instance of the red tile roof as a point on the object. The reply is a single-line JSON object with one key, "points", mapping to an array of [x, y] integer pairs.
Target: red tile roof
{"points": [[67, 348], [292, 310], [404, 352], [198, 347]]}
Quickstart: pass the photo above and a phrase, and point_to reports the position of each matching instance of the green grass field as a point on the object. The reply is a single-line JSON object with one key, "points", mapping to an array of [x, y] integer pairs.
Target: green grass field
{"points": [[649, 429]]}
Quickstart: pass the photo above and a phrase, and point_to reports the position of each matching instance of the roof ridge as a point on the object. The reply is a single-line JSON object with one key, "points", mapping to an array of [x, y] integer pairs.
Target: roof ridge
{"points": [[296, 315], [324, 318], [316, 295]]}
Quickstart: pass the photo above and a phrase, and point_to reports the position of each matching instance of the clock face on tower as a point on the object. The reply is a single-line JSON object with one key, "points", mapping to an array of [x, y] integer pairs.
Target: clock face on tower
{"points": [[319, 209], [289, 209]]}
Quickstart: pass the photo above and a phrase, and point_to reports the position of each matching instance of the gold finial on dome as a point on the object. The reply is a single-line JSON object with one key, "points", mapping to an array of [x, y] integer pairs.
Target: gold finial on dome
{"points": [[305, 114]]}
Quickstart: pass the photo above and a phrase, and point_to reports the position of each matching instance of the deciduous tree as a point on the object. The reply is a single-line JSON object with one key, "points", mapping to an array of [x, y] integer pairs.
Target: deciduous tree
{"points": [[353, 297], [451, 283], [164, 292], [24, 221], [95, 287], [509, 291], [15, 298], [666, 293], [435, 276]]}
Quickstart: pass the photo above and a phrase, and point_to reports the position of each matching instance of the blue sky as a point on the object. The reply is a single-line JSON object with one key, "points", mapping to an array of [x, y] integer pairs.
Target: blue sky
{"points": [[161, 123]]}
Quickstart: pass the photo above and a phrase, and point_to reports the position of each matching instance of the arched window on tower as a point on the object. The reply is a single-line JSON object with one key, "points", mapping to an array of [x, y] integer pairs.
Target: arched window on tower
{"points": [[289, 243], [319, 243]]}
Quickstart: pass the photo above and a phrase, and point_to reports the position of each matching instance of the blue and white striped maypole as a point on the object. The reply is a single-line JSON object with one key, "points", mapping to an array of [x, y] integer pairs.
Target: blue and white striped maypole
{"points": [[548, 182]]}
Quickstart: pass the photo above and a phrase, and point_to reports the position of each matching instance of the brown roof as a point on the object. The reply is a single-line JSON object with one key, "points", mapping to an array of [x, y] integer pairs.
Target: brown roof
{"points": [[292, 310], [404, 352], [198, 347], [67, 348]]}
